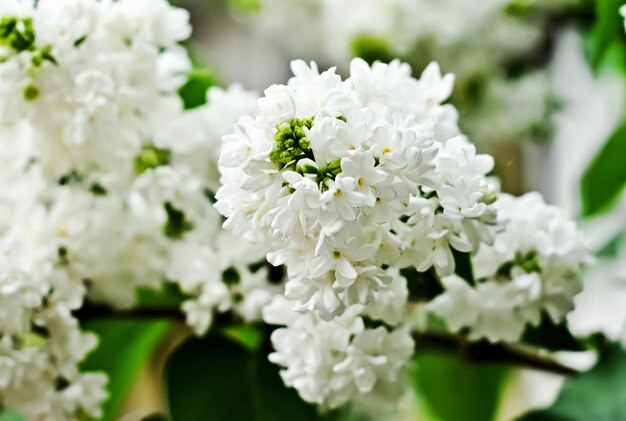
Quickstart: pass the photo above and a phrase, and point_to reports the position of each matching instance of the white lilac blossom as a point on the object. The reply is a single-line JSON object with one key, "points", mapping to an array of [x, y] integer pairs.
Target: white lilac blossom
{"points": [[106, 184], [531, 268], [345, 177], [41, 342], [333, 362], [349, 181]]}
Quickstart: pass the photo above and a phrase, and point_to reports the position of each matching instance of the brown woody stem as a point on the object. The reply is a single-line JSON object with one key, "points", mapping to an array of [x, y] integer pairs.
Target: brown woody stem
{"points": [[472, 352]]}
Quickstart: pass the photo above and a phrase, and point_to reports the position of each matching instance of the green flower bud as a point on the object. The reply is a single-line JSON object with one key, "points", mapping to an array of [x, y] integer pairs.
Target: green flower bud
{"points": [[298, 132], [283, 127], [307, 166], [305, 143], [292, 144], [151, 157], [31, 92]]}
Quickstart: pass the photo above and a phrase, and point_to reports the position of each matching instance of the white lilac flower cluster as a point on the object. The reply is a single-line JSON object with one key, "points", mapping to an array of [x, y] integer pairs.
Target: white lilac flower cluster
{"points": [[41, 343], [342, 176], [344, 179], [349, 181], [532, 267], [106, 184], [334, 362]]}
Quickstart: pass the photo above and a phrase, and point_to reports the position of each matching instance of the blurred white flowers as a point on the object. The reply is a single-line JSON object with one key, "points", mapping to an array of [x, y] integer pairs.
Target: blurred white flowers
{"points": [[481, 42], [104, 187]]}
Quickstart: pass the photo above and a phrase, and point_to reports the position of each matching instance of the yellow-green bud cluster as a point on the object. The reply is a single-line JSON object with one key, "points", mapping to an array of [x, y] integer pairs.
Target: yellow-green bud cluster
{"points": [[17, 36], [328, 173], [292, 144], [528, 262], [151, 157]]}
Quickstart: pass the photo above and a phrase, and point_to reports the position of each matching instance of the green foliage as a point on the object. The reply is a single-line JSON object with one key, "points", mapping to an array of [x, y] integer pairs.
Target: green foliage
{"points": [[598, 395], [611, 248], [551, 337], [169, 295], [423, 286], [17, 34], [8, 414], [247, 336], [371, 48], [194, 91], [609, 26], [455, 391], [605, 178], [216, 379], [246, 6], [463, 267], [177, 223], [124, 349], [155, 417]]}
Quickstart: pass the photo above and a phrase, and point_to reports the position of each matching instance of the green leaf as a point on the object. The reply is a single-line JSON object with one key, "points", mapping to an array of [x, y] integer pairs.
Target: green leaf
{"points": [[169, 295], [598, 395], [423, 286], [9, 414], [454, 390], [551, 337], [611, 247], [194, 91], [216, 379], [372, 48], [246, 335], [605, 178], [463, 268], [246, 6], [614, 58], [609, 26], [124, 348]]}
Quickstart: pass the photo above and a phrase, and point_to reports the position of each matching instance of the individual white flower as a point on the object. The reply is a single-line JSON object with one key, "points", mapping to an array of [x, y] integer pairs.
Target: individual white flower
{"points": [[389, 304], [458, 305], [215, 296]]}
